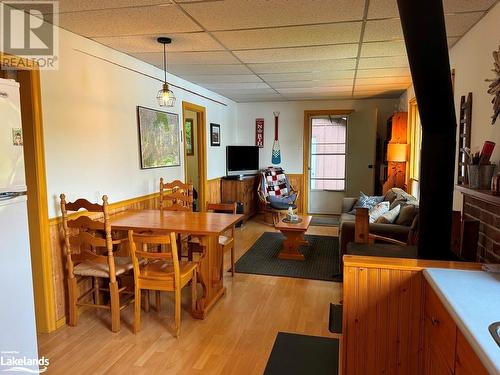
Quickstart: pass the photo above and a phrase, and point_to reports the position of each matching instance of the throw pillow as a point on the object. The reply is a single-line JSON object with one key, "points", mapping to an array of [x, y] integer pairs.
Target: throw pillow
{"points": [[407, 214], [378, 210], [366, 201], [390, 216]]}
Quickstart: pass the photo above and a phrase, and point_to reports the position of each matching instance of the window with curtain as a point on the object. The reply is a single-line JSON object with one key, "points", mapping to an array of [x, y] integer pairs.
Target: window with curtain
{"points": [[328, 153]]}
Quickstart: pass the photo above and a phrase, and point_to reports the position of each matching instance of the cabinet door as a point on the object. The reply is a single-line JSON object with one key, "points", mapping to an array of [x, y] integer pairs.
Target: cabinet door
{"points": [[467, 362], [434, 362], [440, 327]]}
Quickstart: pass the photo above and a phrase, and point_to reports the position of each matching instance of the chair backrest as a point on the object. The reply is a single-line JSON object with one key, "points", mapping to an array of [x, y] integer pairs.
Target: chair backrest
{"points": [[80, 233], [140, 244], [228, 208], [179, 194]]}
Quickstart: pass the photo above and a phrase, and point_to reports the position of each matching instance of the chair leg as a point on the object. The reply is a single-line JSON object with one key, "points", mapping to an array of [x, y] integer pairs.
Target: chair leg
{"points": [[146, 301], [72, 297], [137, 310], [97, 294], [158, 301], [232, 260], [193, 291], [177, 312], [115, 306]]}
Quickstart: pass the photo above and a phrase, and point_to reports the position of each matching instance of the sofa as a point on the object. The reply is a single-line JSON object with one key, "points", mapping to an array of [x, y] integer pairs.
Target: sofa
{"points": [[405, 229]]}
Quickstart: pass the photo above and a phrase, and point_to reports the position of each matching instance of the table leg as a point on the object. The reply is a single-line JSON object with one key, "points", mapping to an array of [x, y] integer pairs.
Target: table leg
{"points": [[291, 245], [210, 275]]}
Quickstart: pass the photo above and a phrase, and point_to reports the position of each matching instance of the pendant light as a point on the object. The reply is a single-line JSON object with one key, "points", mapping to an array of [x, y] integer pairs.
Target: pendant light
{"points": [[165, 97]]}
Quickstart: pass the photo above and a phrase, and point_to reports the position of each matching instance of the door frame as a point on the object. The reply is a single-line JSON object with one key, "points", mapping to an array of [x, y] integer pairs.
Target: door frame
{"points": [[307, 139], [38, 218], [201, 116]]}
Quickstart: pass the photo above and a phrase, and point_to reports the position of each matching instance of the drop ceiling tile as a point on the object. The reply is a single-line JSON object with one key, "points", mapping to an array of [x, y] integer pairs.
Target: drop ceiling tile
{"points": [[244, 14], [314, 35], [384, 72], [382, 30], [113, 22], [236, 86], [389, 9], [304, 66], [147, 43], [383, 62], [217, 69], [319, 96], [312, 83], [238, 92], [241, 98], [298, 54], [79, 5], [384, 81], [375, 49], [459, 24], [241, 78], [389, 94], [452, 41], [380, 88], [175, 58], [315, 90], [285, 77]]}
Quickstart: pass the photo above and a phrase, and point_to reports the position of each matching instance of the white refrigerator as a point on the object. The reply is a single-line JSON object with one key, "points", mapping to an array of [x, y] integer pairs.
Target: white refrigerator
{"points": [[18, 341]]}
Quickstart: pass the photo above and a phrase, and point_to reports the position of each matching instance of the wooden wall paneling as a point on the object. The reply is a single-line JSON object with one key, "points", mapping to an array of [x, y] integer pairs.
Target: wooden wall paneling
{"points": [[214, 190]]}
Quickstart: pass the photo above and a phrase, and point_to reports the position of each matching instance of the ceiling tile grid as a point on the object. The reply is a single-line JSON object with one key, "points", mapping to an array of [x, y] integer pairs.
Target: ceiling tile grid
{"points": [[257, 50]]}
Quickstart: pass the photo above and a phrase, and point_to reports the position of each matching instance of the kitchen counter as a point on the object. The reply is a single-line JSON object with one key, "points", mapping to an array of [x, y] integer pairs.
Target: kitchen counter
{"points": [[473, 300]]}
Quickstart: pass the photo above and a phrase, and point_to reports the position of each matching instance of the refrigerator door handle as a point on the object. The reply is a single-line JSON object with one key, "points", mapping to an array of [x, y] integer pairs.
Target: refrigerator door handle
{"points": [[11, 195]]}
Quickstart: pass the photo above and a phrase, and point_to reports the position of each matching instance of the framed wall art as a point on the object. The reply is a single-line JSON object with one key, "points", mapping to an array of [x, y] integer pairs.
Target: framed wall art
{"points": [[159, 144], [214, 134], [189, 135]]}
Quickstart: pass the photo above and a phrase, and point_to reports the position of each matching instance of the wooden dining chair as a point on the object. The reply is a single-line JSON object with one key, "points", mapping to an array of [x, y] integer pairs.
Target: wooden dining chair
{"points": [[226, 240], [160, 271], [176, 196], [83, 240]]}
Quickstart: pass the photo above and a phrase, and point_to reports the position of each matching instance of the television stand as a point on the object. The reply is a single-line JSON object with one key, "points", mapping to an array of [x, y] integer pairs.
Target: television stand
{"points": [[242, 190]]}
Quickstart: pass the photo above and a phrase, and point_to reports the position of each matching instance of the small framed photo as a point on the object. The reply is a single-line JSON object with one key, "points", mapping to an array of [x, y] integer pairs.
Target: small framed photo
{"points": [[214, 135], [189, 136], [17, 137]]}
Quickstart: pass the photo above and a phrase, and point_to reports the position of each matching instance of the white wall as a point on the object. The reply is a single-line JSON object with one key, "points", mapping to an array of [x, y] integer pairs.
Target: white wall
{"points": [[472, 59], [90, 123], [291, 128]]}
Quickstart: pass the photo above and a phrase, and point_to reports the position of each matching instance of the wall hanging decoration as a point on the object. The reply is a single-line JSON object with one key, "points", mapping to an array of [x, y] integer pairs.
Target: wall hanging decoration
{"points": [[165, 96], [158, 138], [189, 136], [259, 132], [494, 87], [276, 157], [214, 135]]}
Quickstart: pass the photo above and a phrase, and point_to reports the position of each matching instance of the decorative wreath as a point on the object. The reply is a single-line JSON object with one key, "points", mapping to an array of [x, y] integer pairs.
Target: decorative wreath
{"points": [[494, 87]]}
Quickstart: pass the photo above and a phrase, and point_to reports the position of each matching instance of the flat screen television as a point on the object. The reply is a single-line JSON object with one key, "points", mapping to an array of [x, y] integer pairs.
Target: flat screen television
{"points": [[242, 160]]}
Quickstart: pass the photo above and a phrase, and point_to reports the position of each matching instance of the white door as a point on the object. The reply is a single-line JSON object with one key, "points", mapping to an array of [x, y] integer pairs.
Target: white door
{"points": [[361, 152], [327, 163]]}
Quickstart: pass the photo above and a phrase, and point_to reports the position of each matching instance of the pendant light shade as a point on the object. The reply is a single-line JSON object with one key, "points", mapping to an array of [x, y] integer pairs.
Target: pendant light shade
{"points": [[165, 97]]}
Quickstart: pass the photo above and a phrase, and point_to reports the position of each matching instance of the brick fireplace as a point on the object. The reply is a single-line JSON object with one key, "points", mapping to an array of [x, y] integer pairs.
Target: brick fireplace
{"points": [[484, 207]]}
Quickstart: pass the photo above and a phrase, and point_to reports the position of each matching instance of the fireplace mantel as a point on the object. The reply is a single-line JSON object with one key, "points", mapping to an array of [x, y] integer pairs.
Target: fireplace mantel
{"points": [[484, 195]]}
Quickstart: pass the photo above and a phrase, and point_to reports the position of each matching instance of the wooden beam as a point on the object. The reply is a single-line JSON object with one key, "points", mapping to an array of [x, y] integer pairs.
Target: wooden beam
{"points": [[426, 45]]}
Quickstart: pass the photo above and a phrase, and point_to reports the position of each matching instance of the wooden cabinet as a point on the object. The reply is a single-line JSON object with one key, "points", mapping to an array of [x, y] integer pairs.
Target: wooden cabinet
{"points": [[446, 351], [244, 191]]}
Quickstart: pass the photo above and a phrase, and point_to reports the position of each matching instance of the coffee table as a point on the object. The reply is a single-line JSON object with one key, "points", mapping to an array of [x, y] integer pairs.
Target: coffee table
{"points": [[294, 237]]}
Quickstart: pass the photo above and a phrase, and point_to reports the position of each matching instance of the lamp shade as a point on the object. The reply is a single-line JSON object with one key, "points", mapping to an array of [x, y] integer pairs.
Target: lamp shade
{"points": [[397, 152]]}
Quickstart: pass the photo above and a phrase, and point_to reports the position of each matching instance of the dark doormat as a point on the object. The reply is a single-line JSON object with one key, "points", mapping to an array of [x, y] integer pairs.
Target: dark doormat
{"points": [[325, 221], [321, 258], [300, 354], [335, 322]]}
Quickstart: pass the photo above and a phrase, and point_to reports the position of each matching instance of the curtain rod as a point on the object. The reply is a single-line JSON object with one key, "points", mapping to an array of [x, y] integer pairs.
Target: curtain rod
{"points": [[150, 76]]}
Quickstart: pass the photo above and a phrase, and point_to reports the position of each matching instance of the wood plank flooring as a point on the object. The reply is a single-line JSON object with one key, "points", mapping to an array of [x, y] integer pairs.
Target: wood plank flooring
{"points": [[235, 338]]}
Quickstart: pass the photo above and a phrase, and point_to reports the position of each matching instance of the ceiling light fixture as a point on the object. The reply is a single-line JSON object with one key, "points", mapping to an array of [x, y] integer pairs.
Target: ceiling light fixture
{"points": [[165, 97]]}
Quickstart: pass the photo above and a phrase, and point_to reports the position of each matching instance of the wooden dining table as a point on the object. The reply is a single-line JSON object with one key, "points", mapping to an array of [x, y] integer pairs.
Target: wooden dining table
{"points": [[205, 225]]}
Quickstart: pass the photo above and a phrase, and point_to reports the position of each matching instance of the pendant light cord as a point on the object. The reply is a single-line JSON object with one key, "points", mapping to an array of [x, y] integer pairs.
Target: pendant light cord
{"points": [[164, 63]]}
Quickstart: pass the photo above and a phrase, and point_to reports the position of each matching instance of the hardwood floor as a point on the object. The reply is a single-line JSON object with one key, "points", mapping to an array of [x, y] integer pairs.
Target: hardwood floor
{"points": [[235, 338]]}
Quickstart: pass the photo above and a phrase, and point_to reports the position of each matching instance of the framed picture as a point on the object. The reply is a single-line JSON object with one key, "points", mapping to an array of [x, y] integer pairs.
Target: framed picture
{"points": [[214, 135], [159, 144], [259, 132], [189, 135]]}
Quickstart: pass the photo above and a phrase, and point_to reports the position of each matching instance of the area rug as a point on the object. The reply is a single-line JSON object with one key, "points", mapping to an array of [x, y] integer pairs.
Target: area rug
{"points": [[300, 354], [325, 221], [321, 258]]}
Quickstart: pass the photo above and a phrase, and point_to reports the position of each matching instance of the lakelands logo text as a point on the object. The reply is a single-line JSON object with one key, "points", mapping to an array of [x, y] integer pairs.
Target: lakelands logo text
{"points": [[29, 30], [11, 361]]}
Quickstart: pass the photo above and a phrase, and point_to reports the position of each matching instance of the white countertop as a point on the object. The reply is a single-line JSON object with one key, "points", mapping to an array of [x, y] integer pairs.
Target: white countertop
{"points": [[473, 300]]}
